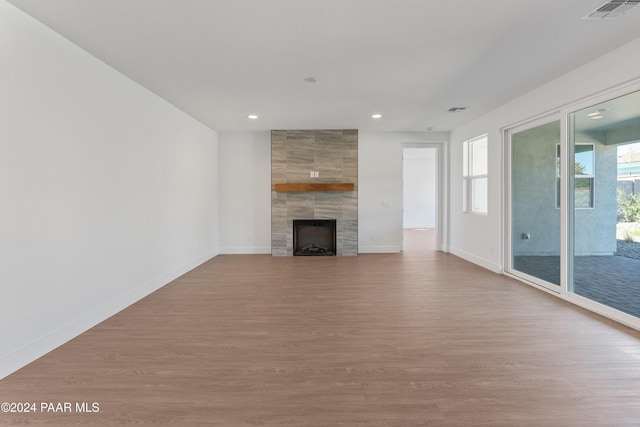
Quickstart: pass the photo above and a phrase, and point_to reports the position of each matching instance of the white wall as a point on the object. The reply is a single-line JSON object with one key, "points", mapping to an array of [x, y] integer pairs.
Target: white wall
{"points": [[380, 187], [245, 192], [108, 192], [478, 238], [419, 189]]}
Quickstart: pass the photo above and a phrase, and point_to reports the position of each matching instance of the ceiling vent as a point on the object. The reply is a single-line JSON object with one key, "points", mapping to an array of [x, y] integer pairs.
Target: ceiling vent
{"points": [[612, 9], [456, 109]]}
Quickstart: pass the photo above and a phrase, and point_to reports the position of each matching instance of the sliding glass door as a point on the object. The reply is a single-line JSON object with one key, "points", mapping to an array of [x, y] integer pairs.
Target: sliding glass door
{"points": [[535, 213], [573, 209], [605, 139]]}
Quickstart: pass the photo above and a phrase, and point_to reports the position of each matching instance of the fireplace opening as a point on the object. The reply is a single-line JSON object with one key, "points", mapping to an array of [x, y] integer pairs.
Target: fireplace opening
{"points": [[314, 237]]}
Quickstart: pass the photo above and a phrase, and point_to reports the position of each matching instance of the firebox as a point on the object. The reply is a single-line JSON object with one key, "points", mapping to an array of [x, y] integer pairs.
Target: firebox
{"points": [[314, 237]]}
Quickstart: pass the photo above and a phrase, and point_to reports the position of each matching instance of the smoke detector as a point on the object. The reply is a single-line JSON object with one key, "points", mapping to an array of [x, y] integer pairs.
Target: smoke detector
{"points": [[612, 9]]}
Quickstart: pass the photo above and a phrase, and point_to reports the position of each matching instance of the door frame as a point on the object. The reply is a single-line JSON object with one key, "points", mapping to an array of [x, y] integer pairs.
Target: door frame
{"points": [[441, 223]]}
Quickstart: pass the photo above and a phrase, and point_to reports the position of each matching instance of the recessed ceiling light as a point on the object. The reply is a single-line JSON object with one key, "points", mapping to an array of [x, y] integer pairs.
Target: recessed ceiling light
{"points": [[595, 113], [376, 116], [252, 117], [596, 117]]}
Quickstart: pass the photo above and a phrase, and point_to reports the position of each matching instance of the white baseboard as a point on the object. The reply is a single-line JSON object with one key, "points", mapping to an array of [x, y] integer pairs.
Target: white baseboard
{"points": [[419, 226], [489, 265], [378, 249], [21, 357], [240, 250]]}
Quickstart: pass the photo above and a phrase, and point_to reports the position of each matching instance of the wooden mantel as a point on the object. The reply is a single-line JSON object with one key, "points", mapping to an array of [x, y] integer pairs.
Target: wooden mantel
{"points": [[300, 187]]}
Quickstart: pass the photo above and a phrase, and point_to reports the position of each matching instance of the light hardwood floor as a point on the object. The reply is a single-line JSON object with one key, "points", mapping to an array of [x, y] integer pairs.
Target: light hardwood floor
{"points": [[414, 339]]}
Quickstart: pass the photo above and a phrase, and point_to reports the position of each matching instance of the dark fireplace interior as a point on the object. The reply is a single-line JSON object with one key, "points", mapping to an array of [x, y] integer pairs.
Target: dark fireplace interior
{"points": [[314, 237]]}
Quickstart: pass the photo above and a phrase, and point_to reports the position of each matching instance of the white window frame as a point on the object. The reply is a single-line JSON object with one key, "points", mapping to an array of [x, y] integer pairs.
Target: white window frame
{"points": [[469, 176], [591, 177]]}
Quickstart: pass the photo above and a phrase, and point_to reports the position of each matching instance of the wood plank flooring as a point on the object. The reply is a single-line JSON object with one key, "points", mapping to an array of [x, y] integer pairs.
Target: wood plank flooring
{"points": [[420, 338]]}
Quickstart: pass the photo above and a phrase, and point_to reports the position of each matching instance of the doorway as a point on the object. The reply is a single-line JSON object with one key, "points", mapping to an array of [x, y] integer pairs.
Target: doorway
{"points": [[420, 193]]}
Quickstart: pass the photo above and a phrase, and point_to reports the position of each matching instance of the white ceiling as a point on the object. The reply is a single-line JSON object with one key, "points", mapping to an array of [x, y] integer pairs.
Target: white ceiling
{"points": [[410, 60]]}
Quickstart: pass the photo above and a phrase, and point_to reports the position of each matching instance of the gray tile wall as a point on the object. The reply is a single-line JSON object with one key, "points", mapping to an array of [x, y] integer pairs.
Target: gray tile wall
{"points": [[333, 153]]}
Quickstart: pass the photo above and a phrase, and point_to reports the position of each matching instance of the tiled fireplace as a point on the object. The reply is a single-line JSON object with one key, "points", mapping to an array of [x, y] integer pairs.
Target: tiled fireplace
{"points": [[314, 175]]}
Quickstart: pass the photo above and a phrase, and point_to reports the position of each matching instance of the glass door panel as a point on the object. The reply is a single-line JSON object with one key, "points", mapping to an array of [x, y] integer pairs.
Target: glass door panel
{"points": [[535, 213], [606, 201]]}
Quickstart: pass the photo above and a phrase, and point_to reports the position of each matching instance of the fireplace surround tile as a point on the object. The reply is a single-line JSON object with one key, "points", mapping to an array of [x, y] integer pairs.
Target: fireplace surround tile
{"points": [[333, 153]]}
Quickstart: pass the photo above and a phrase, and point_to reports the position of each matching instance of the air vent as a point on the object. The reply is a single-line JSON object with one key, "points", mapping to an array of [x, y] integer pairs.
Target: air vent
{"points": [[612, 9], [456, 109]]}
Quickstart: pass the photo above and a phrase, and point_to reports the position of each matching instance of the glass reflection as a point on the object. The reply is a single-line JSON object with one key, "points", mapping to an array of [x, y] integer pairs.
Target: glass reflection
{"points": [[606, 240]]}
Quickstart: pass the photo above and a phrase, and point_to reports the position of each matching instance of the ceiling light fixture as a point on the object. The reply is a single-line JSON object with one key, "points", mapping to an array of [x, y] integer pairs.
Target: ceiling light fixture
{"points": [[595, 115], [252, 117], [376, 116]]}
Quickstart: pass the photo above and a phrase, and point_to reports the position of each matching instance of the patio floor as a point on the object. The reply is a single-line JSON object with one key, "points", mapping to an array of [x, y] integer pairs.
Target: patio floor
{"points": [[610, 280]]}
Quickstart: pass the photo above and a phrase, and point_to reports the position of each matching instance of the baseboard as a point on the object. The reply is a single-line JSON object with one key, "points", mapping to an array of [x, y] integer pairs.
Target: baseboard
{"points": [[21, 357], [418, 226], [378, 249], [489, 265], [239, 250]]}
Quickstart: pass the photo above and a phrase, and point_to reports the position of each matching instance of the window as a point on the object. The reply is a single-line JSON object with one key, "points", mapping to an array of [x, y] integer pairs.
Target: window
{"points": [[584, 177], [475, 175], [584, 160]]}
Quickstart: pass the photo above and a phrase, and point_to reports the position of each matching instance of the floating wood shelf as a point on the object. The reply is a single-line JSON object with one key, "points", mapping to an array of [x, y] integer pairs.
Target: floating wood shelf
{"points": [[300, 187]]}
